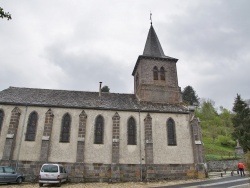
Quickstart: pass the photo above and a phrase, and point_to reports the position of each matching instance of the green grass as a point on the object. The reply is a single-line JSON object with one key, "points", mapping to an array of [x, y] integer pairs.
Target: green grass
{"points": [[215, 151]]}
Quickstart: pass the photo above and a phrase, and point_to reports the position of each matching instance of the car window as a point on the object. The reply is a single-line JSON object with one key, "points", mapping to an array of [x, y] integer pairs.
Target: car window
{"points": [[9, 170], [1, 169], [49, 168], [61, 169]]}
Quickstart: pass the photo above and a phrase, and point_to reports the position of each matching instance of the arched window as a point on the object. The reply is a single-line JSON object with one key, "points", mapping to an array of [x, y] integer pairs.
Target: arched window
{"points": [[31, 127], [1, 119], [162, 73], [155, 71], [131, 131], [99, 128], [171, 132], [65, 129]]}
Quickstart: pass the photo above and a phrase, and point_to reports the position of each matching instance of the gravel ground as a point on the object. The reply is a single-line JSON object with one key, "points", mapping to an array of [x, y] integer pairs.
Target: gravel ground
{"points": [[103, 185]]}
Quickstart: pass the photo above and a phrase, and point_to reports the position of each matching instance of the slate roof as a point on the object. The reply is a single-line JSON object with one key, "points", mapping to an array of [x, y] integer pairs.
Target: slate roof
{"points": [[153, 46], [82, 99], [153, 49]]}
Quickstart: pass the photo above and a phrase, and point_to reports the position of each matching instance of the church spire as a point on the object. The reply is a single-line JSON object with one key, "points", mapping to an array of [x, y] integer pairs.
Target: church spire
{"points": [[153, 46]]}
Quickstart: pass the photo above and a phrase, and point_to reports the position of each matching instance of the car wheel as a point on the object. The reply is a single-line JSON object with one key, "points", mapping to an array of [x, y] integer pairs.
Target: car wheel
{"points": [[59, 184], [40, 184], [19, 180]]}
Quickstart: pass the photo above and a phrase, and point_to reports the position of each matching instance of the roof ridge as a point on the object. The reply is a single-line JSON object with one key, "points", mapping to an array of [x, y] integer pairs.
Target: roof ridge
{"points": [[65, 90]]}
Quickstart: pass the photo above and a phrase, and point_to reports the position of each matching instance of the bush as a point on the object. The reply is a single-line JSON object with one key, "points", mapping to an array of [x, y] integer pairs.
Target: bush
{"points": [[226, 141], [248, 161]]}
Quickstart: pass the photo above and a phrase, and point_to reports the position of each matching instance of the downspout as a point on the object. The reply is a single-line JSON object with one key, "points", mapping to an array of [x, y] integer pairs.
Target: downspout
{"points": [[21, 137], [139, 111]]}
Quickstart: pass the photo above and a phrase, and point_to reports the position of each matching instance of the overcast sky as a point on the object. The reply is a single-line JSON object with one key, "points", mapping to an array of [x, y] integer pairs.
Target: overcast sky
{"points": [[73, 45]]}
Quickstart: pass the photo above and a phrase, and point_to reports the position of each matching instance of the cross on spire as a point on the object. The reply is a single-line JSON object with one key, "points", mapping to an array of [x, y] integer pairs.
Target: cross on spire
{"points": [[151, 17]]}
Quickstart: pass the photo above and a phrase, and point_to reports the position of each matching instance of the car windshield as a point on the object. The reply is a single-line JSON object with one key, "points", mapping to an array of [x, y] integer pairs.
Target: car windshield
{"points": [[49, 168], [9, 170]]}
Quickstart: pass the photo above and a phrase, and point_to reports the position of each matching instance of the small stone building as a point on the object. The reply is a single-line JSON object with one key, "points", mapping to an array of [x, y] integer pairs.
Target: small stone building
{"points": [[148, 135]]}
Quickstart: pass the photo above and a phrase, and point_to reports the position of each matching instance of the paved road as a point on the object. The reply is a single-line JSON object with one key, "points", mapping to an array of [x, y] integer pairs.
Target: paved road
{"points": [[215, 180], [219, 182]]}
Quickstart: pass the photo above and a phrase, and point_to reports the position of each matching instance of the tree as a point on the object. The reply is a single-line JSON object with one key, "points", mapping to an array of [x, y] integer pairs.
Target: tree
{"points": [[209, 118], [105, 89], [214, 128], [241, 123], [4, 14], [189, 96], [207, 110], [226, 119]]}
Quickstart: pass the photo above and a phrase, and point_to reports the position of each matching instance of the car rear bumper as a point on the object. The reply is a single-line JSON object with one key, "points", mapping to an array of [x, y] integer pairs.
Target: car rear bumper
{"points": [[48, 181]]}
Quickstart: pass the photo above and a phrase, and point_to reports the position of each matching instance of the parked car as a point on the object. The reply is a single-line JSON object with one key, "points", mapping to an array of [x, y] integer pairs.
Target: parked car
{"points": [[52, 174], [9, 175]]}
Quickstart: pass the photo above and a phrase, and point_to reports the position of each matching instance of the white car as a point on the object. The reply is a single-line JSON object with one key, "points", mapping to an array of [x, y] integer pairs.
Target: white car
{"points": [[52, 174]]}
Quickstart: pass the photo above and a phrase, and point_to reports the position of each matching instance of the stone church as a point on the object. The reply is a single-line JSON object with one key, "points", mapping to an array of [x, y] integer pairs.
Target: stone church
{"points": [[97, 136]]}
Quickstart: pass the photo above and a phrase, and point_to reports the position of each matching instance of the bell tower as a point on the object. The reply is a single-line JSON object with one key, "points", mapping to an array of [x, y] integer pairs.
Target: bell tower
{"points": [[155, 75]]}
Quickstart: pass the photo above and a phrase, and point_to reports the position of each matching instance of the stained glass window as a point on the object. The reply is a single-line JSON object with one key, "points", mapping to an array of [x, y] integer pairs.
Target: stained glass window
{"points": [[31, 127], [65, 129], [131, 131], [1, 119], [171, 132], [99, 128]]}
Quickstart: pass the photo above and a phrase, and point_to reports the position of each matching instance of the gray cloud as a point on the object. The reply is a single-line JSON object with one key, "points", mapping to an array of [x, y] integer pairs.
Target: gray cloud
{"points": [[74, 45], [85, 71]]}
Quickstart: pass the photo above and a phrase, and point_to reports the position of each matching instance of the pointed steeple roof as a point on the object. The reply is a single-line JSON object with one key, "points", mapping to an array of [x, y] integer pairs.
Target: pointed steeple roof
{"points": [[153, 46], [153, 49]]}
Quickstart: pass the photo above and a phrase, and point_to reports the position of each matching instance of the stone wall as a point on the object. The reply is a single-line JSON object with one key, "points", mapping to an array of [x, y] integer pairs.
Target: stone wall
{"points": [[220, 165], [159, 91], [98, 172]]}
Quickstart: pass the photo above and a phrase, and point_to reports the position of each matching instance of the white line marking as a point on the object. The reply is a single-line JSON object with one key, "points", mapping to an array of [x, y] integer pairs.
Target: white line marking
{"points": [[219, 183]]}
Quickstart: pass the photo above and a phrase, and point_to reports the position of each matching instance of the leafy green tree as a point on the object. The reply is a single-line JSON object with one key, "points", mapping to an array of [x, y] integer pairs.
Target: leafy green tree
{"points": [[4, 14], [226, 120], [216, 130], [189, 96], [207, 110], [209, 118], [241, 123], [105, 89]]}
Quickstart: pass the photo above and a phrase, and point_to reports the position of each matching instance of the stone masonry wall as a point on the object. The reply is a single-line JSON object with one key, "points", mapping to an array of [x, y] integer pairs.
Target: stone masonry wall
{"points": [[148, 89], [81, 137], [12, 132], [221, 165], [45, 148], [98, 172]]}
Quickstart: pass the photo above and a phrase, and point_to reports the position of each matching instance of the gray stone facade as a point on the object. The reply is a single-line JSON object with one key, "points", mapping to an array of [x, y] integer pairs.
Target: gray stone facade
{"points": [[81, 137], [10, 142], [221, 165], [158, 91], [115, 168], [45, 148], [98, 172]]}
